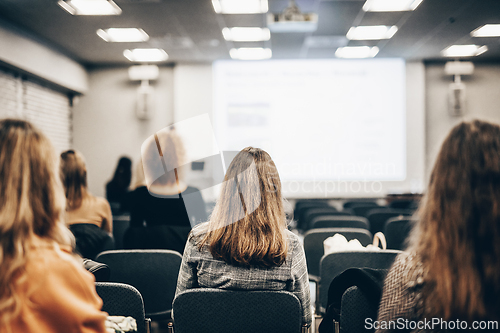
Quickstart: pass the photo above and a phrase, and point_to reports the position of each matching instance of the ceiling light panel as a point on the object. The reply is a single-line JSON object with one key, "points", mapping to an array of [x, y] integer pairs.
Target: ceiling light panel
{"points": [[372, 32], [246, 34], [90, 7], [487, 30], [357, 52], [240, 6], [251, 53], [122, 35], [464, 50], [146, 55], [390, 5]]}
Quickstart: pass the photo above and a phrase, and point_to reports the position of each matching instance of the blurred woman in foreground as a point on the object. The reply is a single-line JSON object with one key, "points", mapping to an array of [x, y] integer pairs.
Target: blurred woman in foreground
{"points": [[246, 244], [43, 288], [452, 268]]}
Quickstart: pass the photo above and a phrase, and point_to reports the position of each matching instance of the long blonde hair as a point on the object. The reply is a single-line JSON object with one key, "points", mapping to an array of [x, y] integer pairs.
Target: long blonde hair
{"points": [[247, 226], [458, 234], [167, 144], [74, 178], [31, 204]]}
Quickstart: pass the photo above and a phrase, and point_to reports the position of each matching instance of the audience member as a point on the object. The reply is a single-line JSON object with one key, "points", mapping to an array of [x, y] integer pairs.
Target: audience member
{"points": [[117, 188], [88, 217], [246, 244], [451, 271], [43, 287], [162, 213]]}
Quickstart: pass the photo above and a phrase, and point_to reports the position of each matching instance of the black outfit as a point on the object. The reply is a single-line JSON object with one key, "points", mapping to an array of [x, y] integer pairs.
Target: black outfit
{"points": [[91, 240], [117, 196], [163, 223]]}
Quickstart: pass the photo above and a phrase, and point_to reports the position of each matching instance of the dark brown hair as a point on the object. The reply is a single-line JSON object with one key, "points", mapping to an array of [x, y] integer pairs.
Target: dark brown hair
{"points": [[458, 235], [248, 224]]}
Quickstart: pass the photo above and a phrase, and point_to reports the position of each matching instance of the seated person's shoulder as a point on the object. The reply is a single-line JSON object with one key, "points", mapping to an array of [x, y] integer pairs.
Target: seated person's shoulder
{"points": [[54, 258], [293, 239]]}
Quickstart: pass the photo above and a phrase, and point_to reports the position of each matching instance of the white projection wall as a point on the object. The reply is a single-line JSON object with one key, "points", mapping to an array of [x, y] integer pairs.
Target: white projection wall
{"points": [[333, 127]]}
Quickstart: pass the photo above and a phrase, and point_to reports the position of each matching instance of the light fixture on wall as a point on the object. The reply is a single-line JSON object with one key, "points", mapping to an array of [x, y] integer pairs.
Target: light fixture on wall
{"points": [[456, 91], [90, 7], [145, 93]]}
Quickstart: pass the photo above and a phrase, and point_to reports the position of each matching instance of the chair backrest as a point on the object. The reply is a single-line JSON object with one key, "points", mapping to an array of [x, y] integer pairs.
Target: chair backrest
{"points": [[120, 225], [350, 203], [379, 216], [122, 300], [334, 221], [335, 263], [224, 311], [311, 213], [355, 308], [302, 206], [313, 243], [396, 231], [403, 204], [153, 272], [363, 209]]}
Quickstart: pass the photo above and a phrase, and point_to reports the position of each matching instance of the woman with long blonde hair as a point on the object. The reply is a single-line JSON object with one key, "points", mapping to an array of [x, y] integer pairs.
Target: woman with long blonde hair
{"points": [[246, 244], [163, 207], [88, 217], [43, 288], [452, 269]]}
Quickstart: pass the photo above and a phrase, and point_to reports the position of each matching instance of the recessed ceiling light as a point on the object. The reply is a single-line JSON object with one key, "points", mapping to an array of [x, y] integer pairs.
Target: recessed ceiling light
{"points": [[90, 7], [356, 52], [240, 6], [371, 32], [246, 34], [251, 53], [464, 50], [145, 55], [390, 5], [487, 30], [120, 35]]}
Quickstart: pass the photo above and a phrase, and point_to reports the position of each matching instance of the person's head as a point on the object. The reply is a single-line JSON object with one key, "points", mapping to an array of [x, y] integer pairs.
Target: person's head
{"points": [[247, 226], [74, 178], [458, 233], [164, 145], [123, 172], [31, 204]]}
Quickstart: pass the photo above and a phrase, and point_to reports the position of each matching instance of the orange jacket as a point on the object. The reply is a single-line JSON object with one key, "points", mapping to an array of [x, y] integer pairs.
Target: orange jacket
{"points": [[58, 295]]}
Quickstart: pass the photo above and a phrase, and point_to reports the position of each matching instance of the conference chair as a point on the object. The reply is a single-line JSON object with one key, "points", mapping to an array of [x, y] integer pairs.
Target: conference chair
{"points": [[355, 308], [153, 272], [310, 213], [379, 216], [350, 203], [403, 204], [397, 230], [335, 263], [363, 209], [123, 300], [225, 311], [333, 221], [120, 225], [313, 243], [302, 206]]}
